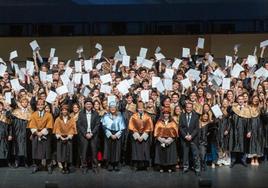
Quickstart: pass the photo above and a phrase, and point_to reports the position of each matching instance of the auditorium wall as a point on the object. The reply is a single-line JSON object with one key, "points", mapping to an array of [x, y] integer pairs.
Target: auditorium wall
{"points": [[219, 45]]}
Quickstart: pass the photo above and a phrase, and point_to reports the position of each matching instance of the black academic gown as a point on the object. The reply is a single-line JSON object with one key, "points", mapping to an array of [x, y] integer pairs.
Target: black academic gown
{"points": [[223, 140], [239, 129], [21, 146], [256, 143], [4, 133]]}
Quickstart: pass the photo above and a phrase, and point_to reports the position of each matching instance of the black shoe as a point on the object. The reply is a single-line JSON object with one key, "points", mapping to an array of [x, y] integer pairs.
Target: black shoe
{"points": [[84, 170], [110, 168], [244, 164], [185, 171], [117, 168], [232, 164], [49, 169], [95, 170], [35, 169], [16, 165], [10, 165], [197, 173]]}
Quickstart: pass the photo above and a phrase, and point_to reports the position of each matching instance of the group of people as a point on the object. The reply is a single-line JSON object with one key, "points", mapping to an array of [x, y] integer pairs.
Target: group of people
{"points": [[95, 123]]}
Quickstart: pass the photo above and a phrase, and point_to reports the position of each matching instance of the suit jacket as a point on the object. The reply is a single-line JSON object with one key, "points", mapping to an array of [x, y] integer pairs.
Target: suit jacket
{"points": [[192, 129], [82, 123]]}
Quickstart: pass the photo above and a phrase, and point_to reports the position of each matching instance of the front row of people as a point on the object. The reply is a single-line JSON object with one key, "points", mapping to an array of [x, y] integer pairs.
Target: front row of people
{"points": [[21, 126]]}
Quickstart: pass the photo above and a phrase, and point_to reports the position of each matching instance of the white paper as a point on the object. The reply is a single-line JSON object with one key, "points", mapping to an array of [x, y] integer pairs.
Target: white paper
{"points": [[185, 52], [251, 60], [86, 92], [111, 98], [155, 80], [143, 52], [70, 87], [158, 49], [140, 60], [131, 81], [219, 73], [168, 84], [193, 74], [228, 61], [159, 56], [147, 63], [160, 87], [200, 43], [86, 79], [145, 96], [49, 78], [226, 83], [118, 56], [51, 97], [169, 73], [210, 59], [68, 71], [106, 78], [65, 79], [54, 60], [88, 64], [43, 76], [105, 89], [13, 55], [176, 63], [21, 75], [8, 97], [256, 83], [122, 50], [3, 69], [126, 60], [186, 83], [261, 72], [98, 55], [98, 66], [216, 111], [98, 46], [62, 90], [15, 85], [34, 45], [77, 78], [236, 70], [29, 67], [122, 88], [52, 52], [264, 43], [78, 66]]}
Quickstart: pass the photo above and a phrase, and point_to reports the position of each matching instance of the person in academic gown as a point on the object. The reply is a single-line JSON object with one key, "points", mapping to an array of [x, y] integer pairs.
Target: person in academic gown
{"points": [[224, 135], [75, 140], [239, 131], [41, 126], [64, 130], [256, 148], [88, 129], [5, 135], [21, 144], [189, 129], [264, 118], [141, 128], [114, 126], [166, 133], [203, 139]]}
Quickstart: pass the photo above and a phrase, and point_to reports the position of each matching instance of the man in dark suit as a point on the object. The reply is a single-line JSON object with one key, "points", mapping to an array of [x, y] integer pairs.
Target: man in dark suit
{"points": [[189, 129], [88, 127]]}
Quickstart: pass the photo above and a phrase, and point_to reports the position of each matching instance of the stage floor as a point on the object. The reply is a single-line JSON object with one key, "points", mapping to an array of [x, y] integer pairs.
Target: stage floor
{"points": [[238, 176]]}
